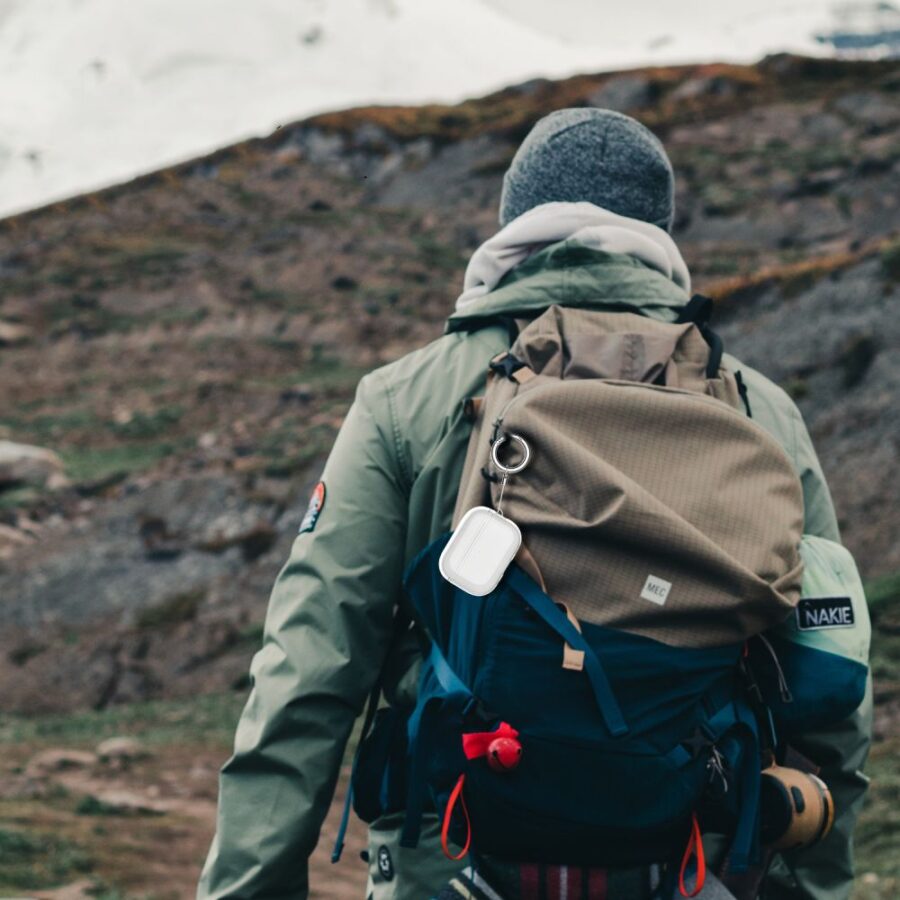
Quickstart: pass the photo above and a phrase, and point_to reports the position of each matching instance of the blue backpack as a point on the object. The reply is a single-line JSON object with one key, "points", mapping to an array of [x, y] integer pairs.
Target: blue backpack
{"points": [[600, 705]]}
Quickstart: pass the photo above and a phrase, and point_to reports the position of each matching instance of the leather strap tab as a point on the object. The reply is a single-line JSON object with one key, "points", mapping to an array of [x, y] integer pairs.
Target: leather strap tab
{"points": [[572, 659], [472, 408]]}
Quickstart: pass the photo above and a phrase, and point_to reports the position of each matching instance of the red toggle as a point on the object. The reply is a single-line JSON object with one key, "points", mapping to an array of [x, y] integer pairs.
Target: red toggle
{"points": [[477, 743], [694, 848]]}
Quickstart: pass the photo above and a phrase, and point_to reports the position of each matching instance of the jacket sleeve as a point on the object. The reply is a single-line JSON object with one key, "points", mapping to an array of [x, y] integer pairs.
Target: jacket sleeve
{"points": [[327, 628], [825, 871]]}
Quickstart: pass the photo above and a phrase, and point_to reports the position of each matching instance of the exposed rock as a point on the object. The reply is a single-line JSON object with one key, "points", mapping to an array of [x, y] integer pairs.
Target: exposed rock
{"points": [[78, 890], [447, 177], [23, 787], [824, 126], [104, 574], [369, 136], [870, 108], [818, 183], [532, 87], [159, 542], [298, 393], [321, 147], [120, 803], [206, 284], [26, 464], [12, 334], [12, 539], [58, 760], [344, 283], [253, 542], [708, 86], [624, 93], [857, 357], [121, 750]]}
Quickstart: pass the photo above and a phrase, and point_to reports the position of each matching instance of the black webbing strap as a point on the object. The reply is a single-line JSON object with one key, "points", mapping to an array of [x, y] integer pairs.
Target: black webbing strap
{"points": [[698, 310], [506, 365], [402, 621], [742, 390], [477, 323], [716, 349]]}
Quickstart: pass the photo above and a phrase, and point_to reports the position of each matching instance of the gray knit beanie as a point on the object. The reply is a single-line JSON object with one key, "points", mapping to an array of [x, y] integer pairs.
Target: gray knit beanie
{"points": [[597, 155]]}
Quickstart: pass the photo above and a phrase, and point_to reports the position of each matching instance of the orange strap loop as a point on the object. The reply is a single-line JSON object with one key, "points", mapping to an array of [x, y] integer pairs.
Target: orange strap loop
{"points": [[456, 794], [694, 848]]}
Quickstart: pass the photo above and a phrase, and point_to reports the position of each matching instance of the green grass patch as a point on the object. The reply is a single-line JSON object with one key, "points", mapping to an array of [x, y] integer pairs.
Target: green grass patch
{"points": [[98, 463], [172, 611], [878, 831], [884, 607], [207, 719], [252, 634], [328, 376], [148, 425], [91, 806], [68, 316], [438, 255], [883, 595], [286, 455], [890, 261], [137, 255], [13, 498], [45, 428], [30, 861]]}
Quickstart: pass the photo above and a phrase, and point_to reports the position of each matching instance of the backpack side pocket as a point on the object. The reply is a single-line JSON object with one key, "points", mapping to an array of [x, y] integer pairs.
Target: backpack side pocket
{"points": [[822, 647]]}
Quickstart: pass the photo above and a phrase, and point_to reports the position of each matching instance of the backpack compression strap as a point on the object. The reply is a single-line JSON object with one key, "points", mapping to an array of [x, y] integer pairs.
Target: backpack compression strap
{"points": [[402, 621], [559, 622]]}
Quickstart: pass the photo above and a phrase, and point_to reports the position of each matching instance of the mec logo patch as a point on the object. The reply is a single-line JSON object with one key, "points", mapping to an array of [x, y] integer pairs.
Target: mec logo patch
{"points": [[814, 613], [656, 590]]}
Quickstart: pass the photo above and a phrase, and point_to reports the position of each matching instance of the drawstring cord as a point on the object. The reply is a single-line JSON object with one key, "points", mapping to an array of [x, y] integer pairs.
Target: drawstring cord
{"points": [[456, 795], [694, 849], [783, 688]]}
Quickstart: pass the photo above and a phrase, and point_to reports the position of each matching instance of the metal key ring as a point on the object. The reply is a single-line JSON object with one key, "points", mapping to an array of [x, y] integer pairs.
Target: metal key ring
{"points": [[526, 454]]}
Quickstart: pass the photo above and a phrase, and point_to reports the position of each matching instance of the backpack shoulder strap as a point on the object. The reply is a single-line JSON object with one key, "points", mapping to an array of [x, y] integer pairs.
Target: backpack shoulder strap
{"points": [[698, 310], [402, 621]]}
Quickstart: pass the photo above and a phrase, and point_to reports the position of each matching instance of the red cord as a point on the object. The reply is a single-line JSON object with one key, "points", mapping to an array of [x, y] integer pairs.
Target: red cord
{"points": [[694, 848], [456, 794]]}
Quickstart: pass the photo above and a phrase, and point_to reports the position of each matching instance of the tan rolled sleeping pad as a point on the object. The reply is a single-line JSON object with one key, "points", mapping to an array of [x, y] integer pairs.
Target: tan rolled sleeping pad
{"points": [[809, 802]]}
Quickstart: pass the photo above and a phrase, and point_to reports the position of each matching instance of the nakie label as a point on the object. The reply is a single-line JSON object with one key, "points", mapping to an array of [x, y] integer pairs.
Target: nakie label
{"points": [[825, 612], [656, 590]]}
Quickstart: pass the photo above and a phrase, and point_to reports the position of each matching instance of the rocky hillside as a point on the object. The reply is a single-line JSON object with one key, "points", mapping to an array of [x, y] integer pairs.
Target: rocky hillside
{"points": [[185, 347], [187, 343]]}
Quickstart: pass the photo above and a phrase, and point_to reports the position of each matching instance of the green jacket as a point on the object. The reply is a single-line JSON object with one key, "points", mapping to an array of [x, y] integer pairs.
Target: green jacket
{"points": [[391, 482]]}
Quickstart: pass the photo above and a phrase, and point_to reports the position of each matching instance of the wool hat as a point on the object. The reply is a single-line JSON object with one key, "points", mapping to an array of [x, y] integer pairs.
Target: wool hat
{"points": [[597, 155]]}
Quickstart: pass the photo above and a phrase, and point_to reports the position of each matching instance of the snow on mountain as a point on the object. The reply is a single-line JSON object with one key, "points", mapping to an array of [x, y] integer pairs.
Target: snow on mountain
{"points": [[96, 91]]}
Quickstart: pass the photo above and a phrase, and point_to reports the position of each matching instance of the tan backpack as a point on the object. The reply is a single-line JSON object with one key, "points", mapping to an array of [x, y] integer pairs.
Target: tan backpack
{"points": [[652, 503]]}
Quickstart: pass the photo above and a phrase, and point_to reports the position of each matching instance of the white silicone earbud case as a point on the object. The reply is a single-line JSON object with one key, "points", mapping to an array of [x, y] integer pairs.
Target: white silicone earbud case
{"points": [[480, 551]]}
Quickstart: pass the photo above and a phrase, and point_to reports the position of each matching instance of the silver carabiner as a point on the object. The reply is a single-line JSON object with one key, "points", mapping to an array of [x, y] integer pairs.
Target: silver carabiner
{"points": [[519, 466]]}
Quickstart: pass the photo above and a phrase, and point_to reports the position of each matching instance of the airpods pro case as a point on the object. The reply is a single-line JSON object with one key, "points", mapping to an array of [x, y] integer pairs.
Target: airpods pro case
{"points": [[480, 551]]}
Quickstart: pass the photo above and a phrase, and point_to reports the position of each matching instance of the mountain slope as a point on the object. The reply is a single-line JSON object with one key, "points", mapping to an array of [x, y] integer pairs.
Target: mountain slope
{"points": [[192, 339], [96, 91], [189, 343]]}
